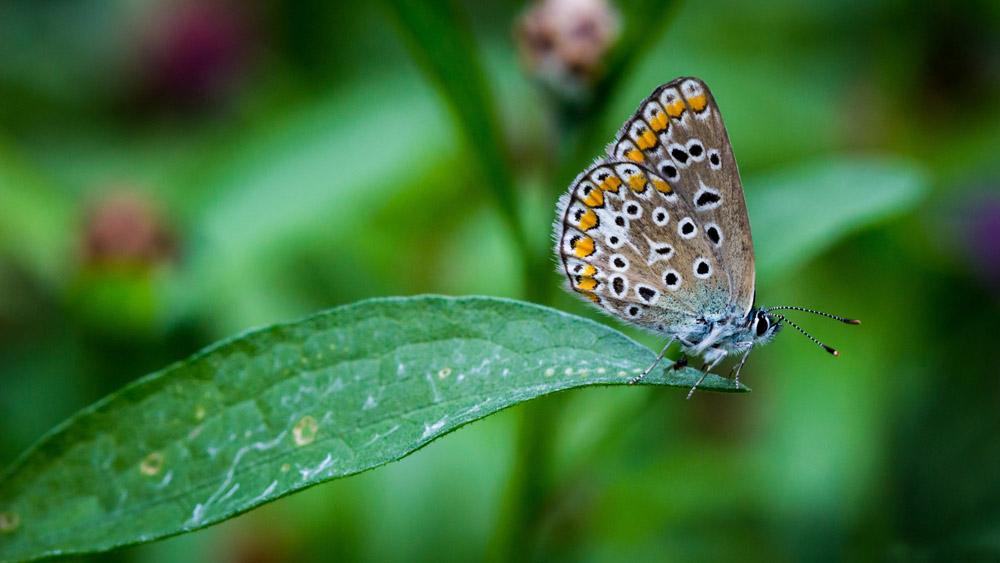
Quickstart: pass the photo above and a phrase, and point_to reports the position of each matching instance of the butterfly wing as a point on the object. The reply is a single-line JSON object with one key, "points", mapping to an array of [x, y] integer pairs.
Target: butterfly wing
{"points": [[628, 242], [678, 133]]}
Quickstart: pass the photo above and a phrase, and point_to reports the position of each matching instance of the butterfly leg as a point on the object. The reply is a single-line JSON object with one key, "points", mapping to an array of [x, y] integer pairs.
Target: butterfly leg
{"points": [[706, 368], [739, 367], [639, 377]]}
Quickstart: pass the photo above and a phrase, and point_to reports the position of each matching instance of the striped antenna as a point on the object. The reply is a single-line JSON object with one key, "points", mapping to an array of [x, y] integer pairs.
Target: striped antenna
{"points": [[844, 320], [815, 340]]}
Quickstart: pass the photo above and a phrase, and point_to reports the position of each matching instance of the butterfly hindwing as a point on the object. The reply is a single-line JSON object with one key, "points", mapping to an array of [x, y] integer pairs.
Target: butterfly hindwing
{"points": [[630, 244], [678, 133]]}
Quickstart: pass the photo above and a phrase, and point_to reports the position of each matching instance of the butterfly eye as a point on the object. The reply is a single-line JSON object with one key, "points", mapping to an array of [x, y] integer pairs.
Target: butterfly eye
{"points": [[762, 325]]}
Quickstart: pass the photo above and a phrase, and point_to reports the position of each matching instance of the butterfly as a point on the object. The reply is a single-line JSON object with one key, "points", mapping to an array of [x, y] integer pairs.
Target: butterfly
{"points": [[656, 233]]}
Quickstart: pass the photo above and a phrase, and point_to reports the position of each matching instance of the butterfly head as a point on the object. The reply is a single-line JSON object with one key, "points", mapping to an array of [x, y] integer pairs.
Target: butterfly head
{"points": [[762, 326]]}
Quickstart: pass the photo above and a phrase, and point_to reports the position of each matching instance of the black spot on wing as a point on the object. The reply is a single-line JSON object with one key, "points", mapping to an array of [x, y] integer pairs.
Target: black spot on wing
{"points": [[707, 198], [713, 234]]}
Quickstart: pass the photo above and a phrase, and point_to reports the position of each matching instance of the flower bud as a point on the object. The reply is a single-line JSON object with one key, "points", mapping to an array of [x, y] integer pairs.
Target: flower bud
{"points": [[563, 43], [126, 229]]}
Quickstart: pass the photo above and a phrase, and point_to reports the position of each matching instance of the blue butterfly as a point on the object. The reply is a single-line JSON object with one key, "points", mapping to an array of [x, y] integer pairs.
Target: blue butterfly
{"points": [[656, 233]]}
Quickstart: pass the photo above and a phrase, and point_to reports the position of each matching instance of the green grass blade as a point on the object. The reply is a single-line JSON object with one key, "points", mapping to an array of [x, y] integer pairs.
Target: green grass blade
{"points": [[279, 409], [440, 40], [33, 219]]}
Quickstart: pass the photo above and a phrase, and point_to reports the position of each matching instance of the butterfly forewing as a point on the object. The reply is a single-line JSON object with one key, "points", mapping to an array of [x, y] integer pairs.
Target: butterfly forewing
{"points": [[678, 133]]}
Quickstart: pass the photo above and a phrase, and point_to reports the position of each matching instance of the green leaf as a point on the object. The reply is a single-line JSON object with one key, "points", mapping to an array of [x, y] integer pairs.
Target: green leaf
{"points": [[279, 409], [797, 213]]}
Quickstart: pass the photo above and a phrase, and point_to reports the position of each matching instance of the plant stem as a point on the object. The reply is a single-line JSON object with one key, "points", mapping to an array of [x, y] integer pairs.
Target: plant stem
{"points": [[441, 41], [521, 521], [530, 478]]}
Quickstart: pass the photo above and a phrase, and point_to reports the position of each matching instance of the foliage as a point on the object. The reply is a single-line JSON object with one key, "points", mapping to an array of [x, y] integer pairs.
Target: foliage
{"points": [[309, 154], [265, 414]]}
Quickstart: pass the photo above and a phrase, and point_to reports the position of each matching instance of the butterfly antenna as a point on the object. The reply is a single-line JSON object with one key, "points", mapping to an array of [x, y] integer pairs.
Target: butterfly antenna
{"points": [[815, 340], [844, 320]]}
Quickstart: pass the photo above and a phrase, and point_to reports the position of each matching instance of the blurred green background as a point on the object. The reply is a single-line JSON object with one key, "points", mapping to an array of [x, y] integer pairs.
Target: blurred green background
{"points": [[174, 172]]}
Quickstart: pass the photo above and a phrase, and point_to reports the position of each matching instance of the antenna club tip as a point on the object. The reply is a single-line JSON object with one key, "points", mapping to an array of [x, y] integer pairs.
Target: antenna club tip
{"points": [[852, 321], [831, 350]]}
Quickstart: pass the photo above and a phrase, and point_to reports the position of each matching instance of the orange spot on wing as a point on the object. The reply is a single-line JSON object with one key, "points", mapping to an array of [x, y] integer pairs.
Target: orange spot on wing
{"points": [[591, 295], [594, 199], [635, 155], [662, 186], [587, 283], [588, 220], [658, 121], [637, 182], [676, 108], [611, 184], [583, 247], [647, 140], [698, 103], [589, 270]]}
